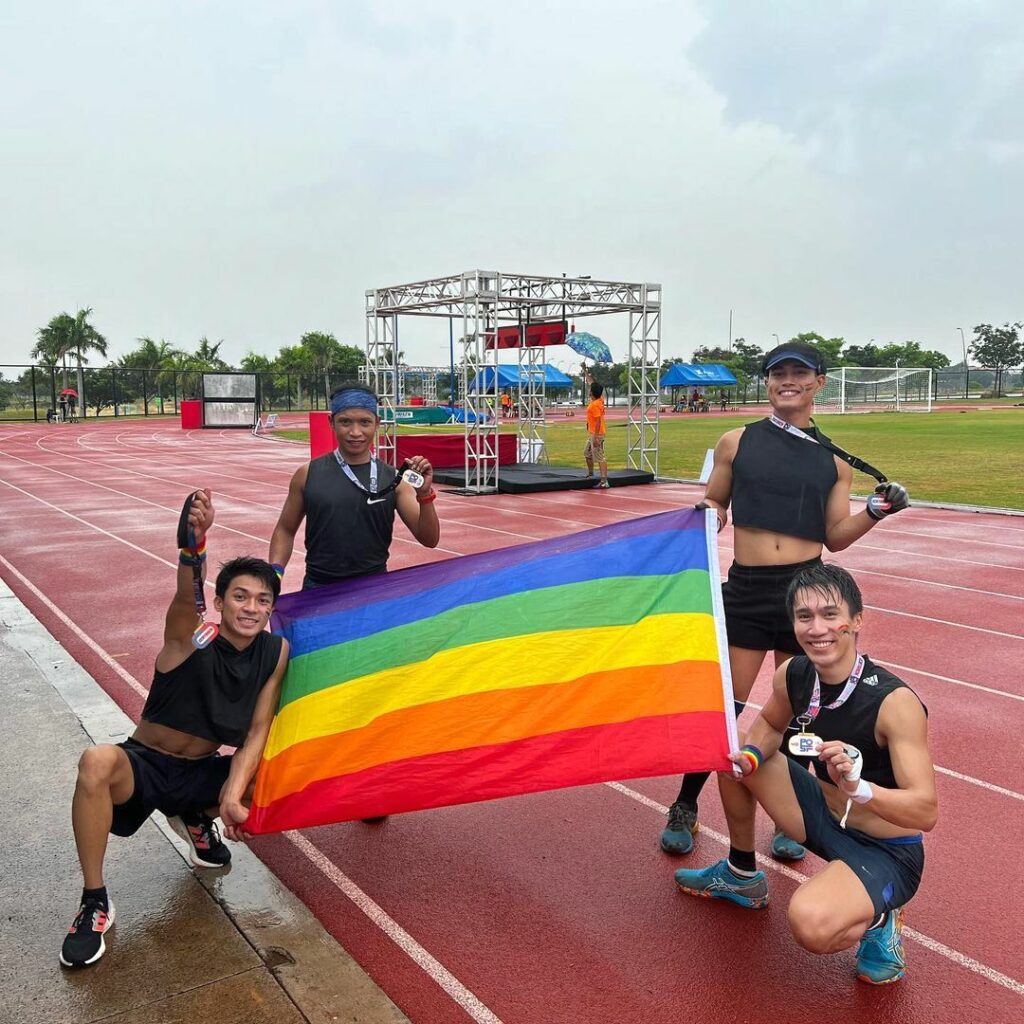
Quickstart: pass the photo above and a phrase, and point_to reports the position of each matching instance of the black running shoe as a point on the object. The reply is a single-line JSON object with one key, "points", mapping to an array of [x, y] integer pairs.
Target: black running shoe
{"points": [[205, 848], [84, 944]]}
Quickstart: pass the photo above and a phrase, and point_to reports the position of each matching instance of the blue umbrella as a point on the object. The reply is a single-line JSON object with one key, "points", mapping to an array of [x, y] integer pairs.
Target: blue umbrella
{"points": [[590, 346]]}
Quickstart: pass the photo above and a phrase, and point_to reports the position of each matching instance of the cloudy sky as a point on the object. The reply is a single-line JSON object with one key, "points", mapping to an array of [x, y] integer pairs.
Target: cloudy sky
{"points": [[246, 170]]}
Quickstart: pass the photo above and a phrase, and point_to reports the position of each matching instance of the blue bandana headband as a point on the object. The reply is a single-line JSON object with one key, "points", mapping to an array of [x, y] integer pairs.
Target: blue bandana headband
{"points": [[353, 398]]}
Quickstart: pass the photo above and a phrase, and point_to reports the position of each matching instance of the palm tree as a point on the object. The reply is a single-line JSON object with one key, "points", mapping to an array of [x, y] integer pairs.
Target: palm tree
{"points": [[208, 355], [68, 335], [155, 355], [85, 338], [51, 341]]}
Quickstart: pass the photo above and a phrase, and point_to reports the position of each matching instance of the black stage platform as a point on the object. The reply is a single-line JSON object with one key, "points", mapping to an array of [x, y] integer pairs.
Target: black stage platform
{"points": [[525, 478]]}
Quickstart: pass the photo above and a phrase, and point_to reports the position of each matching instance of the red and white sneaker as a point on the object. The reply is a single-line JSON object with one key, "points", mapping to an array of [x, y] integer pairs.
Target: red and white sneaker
{"points": [[84, 943], [205, 847]]}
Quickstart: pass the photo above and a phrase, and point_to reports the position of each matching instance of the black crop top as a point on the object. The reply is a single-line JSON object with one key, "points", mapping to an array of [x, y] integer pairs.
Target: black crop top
{"points": [[781, 482], [212, 693], [854, 721]]}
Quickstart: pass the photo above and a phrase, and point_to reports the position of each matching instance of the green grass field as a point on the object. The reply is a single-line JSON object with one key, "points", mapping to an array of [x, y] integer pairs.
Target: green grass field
{"points": [[970, 458]]}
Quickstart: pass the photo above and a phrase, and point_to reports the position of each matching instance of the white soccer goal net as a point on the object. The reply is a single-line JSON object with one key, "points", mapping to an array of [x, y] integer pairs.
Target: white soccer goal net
{"points": [[876, 389]]}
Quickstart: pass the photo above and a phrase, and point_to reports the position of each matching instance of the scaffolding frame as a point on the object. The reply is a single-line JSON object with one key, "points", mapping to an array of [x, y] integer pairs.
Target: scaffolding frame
{"points": [[531, 406], [484, 299]]}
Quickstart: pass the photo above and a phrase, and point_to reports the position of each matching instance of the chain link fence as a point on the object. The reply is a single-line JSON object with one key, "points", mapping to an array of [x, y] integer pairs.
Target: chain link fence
{"points": [[31, 392]]}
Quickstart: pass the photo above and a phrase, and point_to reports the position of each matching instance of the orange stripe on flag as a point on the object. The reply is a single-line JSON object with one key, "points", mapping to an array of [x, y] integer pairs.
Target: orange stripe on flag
{"points": [[495, 717]]}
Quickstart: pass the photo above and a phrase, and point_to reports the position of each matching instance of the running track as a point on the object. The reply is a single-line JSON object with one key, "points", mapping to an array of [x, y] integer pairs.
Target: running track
{"points": [[559, 907]]}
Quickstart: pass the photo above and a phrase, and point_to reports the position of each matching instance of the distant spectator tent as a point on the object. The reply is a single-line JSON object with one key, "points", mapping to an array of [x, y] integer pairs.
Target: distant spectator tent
{"points": [[685, 375]]}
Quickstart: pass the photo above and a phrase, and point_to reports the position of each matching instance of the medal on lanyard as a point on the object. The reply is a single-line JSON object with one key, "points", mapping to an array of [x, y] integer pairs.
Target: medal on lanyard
{"points": [[206, 632], [410, 476], [805, 743], [405, 472]]}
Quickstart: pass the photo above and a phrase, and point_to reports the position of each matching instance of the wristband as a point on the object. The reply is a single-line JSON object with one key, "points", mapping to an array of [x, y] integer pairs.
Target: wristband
{"points": [[719, 512], [863, 793], [432, 496], [753, 755], [186, 556], [279, 569]]}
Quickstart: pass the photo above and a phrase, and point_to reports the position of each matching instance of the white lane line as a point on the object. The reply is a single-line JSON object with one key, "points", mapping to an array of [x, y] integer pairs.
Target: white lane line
{"points": [[235, 498], [980, 782], [861, 546], [948, 771], [84, 522], [956, 539], [931, 583], [448, 982], [81, 634], [945, 622], [941, 558], [150, 476], [529, 538], [975, 966], [956, 682], [433, 968]]}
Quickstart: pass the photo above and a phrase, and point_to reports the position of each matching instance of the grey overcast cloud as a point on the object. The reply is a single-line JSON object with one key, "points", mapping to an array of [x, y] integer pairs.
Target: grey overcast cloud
{"points": [[246, 171]]}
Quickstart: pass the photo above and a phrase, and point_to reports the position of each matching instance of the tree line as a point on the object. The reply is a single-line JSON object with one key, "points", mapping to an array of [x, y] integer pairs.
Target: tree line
{"points": [[319, 357]]}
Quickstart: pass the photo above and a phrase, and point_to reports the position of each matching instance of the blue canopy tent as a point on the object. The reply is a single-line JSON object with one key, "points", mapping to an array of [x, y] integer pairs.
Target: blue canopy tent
{"points": [[508, 377], [684, 375]]}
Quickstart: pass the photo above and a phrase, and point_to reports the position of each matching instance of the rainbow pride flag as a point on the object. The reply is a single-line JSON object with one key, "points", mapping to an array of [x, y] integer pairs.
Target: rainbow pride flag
{"points": [[587, 658]]}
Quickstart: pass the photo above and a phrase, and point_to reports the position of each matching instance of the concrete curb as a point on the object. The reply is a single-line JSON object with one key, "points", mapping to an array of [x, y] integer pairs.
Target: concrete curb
{"points": [[318, 976]]}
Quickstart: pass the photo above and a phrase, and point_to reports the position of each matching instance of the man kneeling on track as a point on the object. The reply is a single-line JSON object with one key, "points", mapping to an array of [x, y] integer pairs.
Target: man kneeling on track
{"points": [[210, 687], [866, 733]]}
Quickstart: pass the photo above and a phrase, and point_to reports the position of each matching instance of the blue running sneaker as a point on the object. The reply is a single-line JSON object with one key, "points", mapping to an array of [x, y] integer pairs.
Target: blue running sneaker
{"points": [[784, 848], [681, 828], [718, 882], [880, 959]]}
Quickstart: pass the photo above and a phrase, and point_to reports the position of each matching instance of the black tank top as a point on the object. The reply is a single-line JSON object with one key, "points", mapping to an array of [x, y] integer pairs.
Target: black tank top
{"points": [[781, 483], [854, 721], [346, 536], [213, 692]]}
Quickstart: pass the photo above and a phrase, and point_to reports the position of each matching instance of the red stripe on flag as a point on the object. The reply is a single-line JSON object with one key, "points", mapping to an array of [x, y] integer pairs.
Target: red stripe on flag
{"points": [[644, 747]]}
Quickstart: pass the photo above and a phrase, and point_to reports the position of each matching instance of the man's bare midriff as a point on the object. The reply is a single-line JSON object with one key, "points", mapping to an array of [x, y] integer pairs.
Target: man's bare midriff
{"points": [[173, 741], [762, 547]]}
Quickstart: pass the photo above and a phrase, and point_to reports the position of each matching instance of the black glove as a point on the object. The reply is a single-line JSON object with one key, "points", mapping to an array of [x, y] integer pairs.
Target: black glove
{"points": [[888, 499], [702, 505]]}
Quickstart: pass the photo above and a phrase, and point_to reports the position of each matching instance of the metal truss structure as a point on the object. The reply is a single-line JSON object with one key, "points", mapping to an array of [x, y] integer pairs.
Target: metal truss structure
{"points": [[530, 406], [485, 299], [420, 380]]}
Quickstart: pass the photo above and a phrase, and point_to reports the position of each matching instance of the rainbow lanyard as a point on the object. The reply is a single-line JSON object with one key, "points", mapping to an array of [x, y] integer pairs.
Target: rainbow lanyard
{"points": [[347, 470], [206, 632], [814, 707]]}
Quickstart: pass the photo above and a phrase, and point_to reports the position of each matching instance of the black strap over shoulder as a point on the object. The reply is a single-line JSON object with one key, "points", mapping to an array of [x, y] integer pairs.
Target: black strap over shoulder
{"points": [[851, 460]]}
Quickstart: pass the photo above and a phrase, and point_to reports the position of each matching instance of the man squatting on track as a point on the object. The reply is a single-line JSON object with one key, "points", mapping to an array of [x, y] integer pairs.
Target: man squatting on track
{"points": [[864, 812], [349, 498], [790, 496], [225, 693]]}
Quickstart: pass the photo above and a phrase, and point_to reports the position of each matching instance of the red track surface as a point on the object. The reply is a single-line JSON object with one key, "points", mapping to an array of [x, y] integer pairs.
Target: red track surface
{"points": [[559, 907]]}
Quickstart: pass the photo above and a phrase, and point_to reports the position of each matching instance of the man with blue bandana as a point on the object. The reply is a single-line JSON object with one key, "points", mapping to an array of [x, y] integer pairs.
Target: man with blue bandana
{"points": [[349, 498]]}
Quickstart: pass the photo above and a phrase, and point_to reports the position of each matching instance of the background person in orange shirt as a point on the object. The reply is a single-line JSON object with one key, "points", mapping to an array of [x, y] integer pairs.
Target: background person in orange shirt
{"points": [[596, 430]]}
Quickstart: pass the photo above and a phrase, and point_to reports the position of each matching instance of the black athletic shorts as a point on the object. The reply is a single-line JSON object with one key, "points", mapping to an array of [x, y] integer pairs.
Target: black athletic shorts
{"points": [[890, 869], [173, 785], [755, 606]]}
